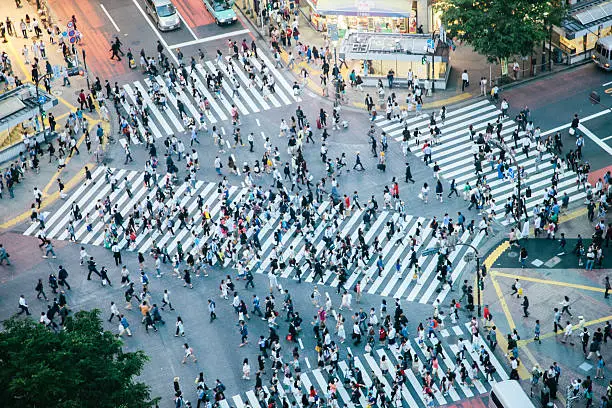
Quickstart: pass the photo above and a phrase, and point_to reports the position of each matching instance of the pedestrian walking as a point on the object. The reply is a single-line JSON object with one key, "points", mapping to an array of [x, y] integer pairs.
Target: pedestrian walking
{"points": [[188, 354], [4, 256], [23, 306], [40, 290], [525, 305], [62, 275], [114, 312], [180, 327], [565, 306], [211, 310]]}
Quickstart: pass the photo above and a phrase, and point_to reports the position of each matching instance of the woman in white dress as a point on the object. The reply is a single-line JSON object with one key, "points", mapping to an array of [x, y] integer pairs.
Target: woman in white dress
{"points": [[340, 328], [246, 370]]}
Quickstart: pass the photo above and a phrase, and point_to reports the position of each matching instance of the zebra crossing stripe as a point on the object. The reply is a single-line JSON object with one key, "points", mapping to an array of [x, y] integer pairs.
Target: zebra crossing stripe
{"points": [[66, 206], [228, 90], [204, 91], [383, 123], [221, 99], [121, 199], [396, 276], [498, 367], [459, 122], [85, 204], [170, 97], [247, 85], [136, 197], [433, 266], [477, 383], [449, 364], [240, 89], [279, 77], [411, 379], [278, 90], [455, 273], [152, 108]]}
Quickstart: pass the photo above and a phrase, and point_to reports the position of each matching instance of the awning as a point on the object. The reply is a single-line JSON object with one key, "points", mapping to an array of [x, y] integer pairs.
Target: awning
{"points": [[366, 8], [587, 18]]}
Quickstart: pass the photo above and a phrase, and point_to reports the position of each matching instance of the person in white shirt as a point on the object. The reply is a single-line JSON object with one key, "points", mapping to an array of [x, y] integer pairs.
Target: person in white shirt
{"points": [[465, 80]]}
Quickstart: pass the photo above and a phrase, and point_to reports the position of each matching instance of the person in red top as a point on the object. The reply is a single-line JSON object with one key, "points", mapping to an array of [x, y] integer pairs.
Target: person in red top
{"points": [[82, 99]]}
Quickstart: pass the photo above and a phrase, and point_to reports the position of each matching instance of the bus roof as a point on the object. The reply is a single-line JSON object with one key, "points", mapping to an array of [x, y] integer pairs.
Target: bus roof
{"points": [[511, 394], [606, 41]]}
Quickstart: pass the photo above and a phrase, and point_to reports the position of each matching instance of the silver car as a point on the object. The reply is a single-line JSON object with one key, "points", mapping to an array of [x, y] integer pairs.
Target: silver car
{"points": [[164, 13]]}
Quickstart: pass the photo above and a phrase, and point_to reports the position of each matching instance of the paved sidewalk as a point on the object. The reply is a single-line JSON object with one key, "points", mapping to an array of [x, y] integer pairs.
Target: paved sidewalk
{"points": [[463, 58]]}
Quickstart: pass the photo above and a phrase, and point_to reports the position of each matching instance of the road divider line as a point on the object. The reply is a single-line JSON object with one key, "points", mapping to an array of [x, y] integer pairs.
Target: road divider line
{"points": [[187, 25], [606, 148], [110, 18], [549, 282], [207, 39], [161, 39]]}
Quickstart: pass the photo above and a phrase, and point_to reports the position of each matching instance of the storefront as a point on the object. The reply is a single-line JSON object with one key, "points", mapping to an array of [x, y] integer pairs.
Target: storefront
{"points": [[576, 37], [376, 16], [372, 55]]}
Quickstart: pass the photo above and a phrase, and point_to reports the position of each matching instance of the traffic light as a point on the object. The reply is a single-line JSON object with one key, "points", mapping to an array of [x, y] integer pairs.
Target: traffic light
{"points": [[43, 114], [483, 271], [424, 60]]}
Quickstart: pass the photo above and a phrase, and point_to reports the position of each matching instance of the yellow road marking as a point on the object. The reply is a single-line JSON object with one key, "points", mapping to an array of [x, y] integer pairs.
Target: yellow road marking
{"points": [[50, 199], [549, 282], [59, 172], [523, 343], [502, 343], [491, 259], [453, 99]]}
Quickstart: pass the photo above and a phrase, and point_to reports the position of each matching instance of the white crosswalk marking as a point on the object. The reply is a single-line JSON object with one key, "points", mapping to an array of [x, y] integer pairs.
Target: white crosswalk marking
{"points": [[455, 157], [168, 121], [411, 393], [91, 201]]}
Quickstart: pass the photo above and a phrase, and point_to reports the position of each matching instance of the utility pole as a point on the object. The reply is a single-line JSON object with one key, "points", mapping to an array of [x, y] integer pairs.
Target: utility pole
{"points": [[478, 274]]}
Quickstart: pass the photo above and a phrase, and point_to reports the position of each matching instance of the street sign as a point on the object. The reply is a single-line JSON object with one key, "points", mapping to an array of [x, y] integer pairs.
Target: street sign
{"points": [[431, 44], [469, 257], [429, 251], [70, 24], [42, 99], [332, 31]]}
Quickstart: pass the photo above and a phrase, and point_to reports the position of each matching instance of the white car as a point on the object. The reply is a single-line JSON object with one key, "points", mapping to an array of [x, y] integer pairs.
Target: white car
{"points": [[164, 13]]}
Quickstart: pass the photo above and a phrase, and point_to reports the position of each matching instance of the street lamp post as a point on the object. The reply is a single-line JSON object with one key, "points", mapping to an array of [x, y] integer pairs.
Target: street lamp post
{"points": [[40, 110], [85, 69], [478, 274]]}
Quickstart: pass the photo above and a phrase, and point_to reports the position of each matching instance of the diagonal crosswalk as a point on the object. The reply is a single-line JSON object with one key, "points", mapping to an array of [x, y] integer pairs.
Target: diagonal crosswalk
{"points": [[455, 157], [453, 341], [395, 279], [167, 120]]}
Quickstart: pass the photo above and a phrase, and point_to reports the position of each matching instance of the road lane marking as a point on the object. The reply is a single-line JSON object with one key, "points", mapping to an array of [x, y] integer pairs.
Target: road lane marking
{"points": [[607, 148], [187, 25], [207, 39], [606, 138], [161, 39], [607, 83], [110, 18], [549, 282], [582, 120]]}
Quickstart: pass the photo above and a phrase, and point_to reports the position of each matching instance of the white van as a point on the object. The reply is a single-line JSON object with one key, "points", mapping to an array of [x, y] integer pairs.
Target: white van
{"points": [[164, 13], [509, 394]]}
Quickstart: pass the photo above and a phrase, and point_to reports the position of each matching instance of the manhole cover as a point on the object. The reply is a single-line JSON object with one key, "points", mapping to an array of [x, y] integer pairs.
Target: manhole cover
{"points": [[56, 92], [513, 254]]}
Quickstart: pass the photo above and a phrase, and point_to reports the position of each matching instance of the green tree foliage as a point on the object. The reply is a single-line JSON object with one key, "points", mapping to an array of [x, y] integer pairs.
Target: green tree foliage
{"points": [[82, 366], [500, 28]]}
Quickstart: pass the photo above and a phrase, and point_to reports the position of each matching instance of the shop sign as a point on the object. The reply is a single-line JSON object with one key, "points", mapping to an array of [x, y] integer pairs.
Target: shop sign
{"points": [[332, 31]]}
